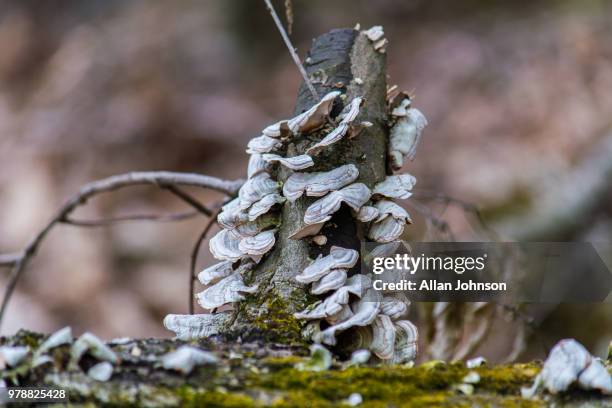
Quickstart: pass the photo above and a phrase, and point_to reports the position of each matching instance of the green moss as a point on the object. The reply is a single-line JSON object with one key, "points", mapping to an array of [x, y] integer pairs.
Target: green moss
{"points": [[277, 363], [274, 320], [423, 386], [27, 338], [199, 398], [507, 378]]}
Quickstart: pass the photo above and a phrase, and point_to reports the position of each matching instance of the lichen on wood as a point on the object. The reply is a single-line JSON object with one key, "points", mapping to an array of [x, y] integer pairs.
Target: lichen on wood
{"points": [[257, 374]]}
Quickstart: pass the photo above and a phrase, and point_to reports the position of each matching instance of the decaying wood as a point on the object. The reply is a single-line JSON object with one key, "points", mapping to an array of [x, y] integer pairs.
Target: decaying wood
{"points": [[340, 57], [253, 374]]}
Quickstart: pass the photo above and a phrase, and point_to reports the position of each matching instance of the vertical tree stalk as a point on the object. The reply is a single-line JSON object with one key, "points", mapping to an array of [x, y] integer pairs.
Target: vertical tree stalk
{"points": [[340, 56]]}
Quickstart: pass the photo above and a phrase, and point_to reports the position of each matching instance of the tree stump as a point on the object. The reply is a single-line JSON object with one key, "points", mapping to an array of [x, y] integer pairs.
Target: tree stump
{"points": [[342, 59]]}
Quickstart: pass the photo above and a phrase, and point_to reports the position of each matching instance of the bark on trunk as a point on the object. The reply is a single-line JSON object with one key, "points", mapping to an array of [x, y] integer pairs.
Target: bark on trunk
{"points": [[335, 61]]}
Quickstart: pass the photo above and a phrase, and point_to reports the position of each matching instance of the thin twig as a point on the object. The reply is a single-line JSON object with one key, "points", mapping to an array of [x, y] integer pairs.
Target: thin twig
{"points": [[194, 257], [289, 15], [189, 199], [10, 259], [161, 179], [129, 218], [436, 221], [291, 49], [464, 205]]}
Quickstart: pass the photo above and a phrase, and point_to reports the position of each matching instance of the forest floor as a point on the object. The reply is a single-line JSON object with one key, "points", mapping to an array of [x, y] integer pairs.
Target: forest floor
{"points": [[251, 374]]}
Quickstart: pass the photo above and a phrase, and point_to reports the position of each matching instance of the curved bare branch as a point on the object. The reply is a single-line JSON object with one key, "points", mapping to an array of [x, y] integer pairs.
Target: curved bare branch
{"points": [[162, 179]]}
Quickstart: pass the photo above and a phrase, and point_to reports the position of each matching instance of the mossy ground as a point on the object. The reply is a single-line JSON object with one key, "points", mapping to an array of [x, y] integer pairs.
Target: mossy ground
{"points": [[255, 374]]}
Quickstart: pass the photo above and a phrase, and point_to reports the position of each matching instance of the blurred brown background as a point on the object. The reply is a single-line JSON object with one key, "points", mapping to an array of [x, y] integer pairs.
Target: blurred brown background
{"points": [[518, 97]]}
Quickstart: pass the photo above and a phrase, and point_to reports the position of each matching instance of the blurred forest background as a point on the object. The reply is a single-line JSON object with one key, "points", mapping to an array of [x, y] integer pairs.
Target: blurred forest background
{"points": [[518, 97]]}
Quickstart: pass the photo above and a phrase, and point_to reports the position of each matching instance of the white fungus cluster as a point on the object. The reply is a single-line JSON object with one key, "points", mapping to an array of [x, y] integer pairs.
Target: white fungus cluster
{"points": [[249, 225], [570, 363], [87, 343]]}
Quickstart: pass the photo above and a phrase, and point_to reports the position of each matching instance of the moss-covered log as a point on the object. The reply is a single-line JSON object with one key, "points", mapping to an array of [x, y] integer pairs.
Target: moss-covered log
{"points": [[256, 374]]}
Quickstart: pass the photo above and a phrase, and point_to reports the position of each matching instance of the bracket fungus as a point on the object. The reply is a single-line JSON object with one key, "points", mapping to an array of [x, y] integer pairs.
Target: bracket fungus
{"points": [[390, 223], [337, 258], [257, 165], [58, 338], [231, 215], [319, 183], [333, 280], [340, 131], [258, 244], [300, 162], [315, 117], [405, 134], [276, 130], [388, 208], [262, 144], [256, 188], [406, 342], [228, 290], [354, 195], [383, 337], [264, 205], [387, 230], [364, 313], [225, 246], [216, 272], [376, 36], [250, 221], [569, 362], [374, 33], [366, 213], [307, 230], [187, 327], [394, 308], [398, 186]]}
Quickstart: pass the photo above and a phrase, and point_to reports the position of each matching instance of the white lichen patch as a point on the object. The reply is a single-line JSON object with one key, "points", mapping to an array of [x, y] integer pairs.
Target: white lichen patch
{"points": [[12, 356], [90, 344], [569, 363], [185, 358], [101, 372]]}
